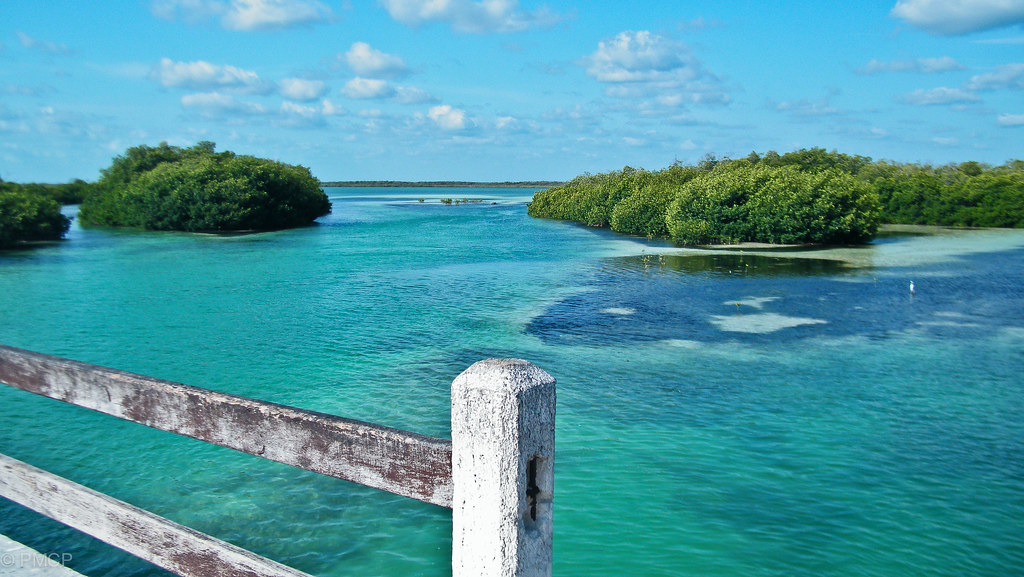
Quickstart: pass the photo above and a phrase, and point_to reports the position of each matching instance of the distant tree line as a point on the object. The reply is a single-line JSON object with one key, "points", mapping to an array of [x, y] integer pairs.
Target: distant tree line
{"points": [[806, 196], [439, 184], [197, 189]]}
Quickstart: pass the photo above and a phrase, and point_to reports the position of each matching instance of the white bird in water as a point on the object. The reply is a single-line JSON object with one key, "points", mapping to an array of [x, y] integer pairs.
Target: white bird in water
{"points": [[912, 288]]}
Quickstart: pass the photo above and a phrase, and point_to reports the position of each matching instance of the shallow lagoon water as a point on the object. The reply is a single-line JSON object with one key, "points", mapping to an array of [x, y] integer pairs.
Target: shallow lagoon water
{"points": [[725, 412]]}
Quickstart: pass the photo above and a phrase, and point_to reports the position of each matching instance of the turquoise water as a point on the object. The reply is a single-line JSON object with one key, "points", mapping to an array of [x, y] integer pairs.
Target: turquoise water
{"points": [[719, 412]]}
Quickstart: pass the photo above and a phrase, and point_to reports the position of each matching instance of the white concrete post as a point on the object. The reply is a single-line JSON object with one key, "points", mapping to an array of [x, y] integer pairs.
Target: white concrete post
{"points": [[503, 448]]}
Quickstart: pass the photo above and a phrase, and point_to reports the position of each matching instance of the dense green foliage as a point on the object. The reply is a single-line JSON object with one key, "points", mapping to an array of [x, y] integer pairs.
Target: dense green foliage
{"points": [[741, 202], [806, 196], [968, 194], [71, 193], [197, 189], [26, 216], [630, 201]]}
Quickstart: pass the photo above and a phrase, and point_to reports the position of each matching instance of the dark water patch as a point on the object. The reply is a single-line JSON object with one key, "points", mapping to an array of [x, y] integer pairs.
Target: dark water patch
{"points": [[737, 264], [711, 298]]}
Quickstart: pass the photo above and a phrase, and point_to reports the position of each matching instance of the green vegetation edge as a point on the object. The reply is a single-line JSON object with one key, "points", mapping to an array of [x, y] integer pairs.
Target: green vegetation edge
{"points": [[810, 196]]}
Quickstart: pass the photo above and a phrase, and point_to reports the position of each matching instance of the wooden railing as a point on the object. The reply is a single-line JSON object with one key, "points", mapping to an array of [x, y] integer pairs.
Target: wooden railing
{"points": [[496, 474]]}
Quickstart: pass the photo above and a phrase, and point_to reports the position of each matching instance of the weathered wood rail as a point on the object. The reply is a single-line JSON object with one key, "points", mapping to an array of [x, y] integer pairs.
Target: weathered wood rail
{"points": [[496, 474]]}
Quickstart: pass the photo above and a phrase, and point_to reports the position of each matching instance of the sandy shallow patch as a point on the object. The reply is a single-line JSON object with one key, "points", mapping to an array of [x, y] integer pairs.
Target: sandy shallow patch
{"points": [[761, 322]]}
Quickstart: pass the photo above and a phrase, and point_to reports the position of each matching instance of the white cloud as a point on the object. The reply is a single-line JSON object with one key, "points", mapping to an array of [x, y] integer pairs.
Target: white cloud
{"points": [[943, 64], [366, 60], [411, 95], [638, 64], [366, 88], [927, 65], [300, 89], [806, 107], [952, 17], [374, 88], [941, 95], [297, 115], [1003, 41], [192, 11], [474, 17], [1008, 77], [302, 110], [216, 104], [636, 57], [1011, 120], [244, 14], [447, 117], [201, 75], [41, 45], [328, 108]]}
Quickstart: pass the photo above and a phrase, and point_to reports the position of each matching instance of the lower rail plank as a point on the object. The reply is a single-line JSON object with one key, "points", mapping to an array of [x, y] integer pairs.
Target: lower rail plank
{"points": [[160, 541]]}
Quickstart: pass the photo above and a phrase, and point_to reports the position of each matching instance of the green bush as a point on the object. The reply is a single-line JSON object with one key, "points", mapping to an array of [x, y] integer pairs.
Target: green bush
{"points": [[740, 202], [809, 196], [196, 189], [630, 201], [26, 216]]}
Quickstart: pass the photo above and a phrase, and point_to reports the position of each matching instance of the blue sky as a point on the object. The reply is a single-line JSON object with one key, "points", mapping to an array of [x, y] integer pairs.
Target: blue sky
{"points": [[506, 89]]}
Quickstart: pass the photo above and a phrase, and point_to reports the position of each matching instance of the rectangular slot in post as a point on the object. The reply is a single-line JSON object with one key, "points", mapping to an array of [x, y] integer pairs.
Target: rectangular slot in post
{"points": [[532, 491]]}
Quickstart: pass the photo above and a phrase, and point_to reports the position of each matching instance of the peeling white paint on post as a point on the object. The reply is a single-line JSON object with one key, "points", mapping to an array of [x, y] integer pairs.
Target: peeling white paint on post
{"points": [[503, 445]]}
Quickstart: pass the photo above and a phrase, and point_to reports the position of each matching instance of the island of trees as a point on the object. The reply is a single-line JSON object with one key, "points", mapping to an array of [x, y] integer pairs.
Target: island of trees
{"points": [[168, 188], [806, 196], [199, 190]]}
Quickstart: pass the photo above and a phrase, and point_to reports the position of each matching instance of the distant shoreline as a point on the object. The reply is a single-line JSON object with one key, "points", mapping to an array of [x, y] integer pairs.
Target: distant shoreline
{"points": [[439, 184]]}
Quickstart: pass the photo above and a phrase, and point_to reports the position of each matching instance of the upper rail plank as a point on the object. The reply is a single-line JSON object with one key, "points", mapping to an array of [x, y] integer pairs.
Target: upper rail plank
{"points": [[164, 543], [396, 461]]}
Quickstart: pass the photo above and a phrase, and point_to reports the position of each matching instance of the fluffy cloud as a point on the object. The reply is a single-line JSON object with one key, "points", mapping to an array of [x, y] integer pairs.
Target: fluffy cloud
{"points": [[366, 88], [217, 104], [1008, 77], [447, 117], [952, 17], [328, 108], [473, 17], [41, 45], [1011, 120], [300, 89], [299, 109], [926, 65], [244, 14], [295, 115], [374, 88], [201, 75], [807, 108], [940, 95], [637, 64], [366, 60], [411, 95]]}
